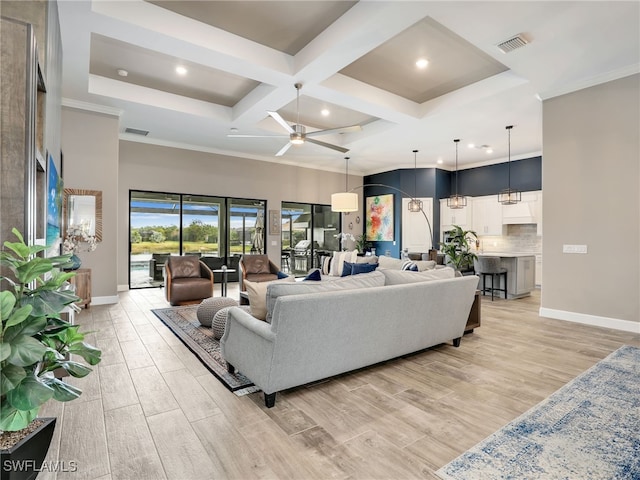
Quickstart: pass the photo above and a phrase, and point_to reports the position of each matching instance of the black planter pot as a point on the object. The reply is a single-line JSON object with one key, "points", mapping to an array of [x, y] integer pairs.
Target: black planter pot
{"points": [[24, 460]]}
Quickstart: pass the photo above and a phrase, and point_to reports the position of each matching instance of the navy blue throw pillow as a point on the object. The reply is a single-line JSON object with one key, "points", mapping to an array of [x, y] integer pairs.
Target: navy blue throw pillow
{"points": [[282, 275], [363, 268], [346, 268], [313, 275]]}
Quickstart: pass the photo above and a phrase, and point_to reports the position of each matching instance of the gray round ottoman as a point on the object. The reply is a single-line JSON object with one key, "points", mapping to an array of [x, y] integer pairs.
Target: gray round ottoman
{"points": [[210, 306], [220, 320]]}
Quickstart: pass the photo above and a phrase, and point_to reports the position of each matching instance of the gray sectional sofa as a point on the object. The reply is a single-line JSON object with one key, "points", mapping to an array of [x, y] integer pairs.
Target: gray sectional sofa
{"points": [[316, 335]]}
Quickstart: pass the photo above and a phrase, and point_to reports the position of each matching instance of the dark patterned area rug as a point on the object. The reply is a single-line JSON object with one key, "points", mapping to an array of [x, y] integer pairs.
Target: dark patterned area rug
{"points": [[183, 322], [586, 430]]}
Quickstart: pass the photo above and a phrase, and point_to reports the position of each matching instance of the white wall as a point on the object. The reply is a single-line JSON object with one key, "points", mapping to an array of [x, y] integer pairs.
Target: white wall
{"points": [[591, 184], [90, 149], [165, 169]]}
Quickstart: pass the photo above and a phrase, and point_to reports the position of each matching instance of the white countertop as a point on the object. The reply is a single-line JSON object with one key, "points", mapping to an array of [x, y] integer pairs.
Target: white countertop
{"points": [[506, 254]]}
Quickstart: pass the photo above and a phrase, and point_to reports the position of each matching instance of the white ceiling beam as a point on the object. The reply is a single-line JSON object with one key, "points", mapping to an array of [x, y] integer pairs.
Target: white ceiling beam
{"points": [[148, 96]]}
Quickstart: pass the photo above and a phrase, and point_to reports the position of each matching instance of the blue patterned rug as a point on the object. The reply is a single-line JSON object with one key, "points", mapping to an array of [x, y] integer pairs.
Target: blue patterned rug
{"points": [[587, 430]]}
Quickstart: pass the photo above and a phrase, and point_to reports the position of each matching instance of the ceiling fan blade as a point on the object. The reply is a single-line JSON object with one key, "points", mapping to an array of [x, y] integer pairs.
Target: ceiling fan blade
{"points": [[276, 116], [328, 145], [352, 128], [232, 135], [284, 149]]}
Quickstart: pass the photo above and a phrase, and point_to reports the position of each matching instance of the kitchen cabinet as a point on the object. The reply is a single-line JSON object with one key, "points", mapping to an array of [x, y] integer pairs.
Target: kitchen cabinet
{"points": [[455, 216], [525, 275], [487, 216]]}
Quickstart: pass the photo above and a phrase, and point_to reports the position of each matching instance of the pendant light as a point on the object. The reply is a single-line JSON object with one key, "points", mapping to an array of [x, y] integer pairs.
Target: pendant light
{"points": [[345, 201], [414, 204], [509, 196], [456, 201]]}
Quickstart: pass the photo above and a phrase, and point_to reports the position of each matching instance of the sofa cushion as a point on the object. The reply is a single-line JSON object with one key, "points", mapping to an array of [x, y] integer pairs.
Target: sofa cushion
{"points": [[398, 277], [338, 259], [396, 263], [390, 262], [367, 259], [257, 292], [184, 267], [275, 290], [256, 264]]}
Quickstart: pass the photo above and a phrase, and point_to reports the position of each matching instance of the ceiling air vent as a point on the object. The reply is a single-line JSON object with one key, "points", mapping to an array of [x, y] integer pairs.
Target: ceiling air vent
{"points": [[513, 43], [136, 131]]}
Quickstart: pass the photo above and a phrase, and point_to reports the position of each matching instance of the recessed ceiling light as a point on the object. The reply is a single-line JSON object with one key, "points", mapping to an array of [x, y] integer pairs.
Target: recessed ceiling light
{"points": [[489, 150], [440, 161], [471, 145], [122, 72], [422, 63], [180, 70], [325, 112]]}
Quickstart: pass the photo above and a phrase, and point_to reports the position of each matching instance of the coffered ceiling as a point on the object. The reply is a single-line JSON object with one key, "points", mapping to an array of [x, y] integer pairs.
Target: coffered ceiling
{"points": [[355, 60]]}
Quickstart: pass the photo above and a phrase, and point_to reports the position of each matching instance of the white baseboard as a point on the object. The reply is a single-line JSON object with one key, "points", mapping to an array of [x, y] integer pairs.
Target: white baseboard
{"points": [[104, 300], [594, 320], [123, 288]]}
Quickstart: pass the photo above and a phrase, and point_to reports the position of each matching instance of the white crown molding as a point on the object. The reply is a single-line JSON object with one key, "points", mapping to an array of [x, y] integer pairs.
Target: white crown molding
{"points": [[91, 107], [593, 320], [129, 137], [592, 81]]}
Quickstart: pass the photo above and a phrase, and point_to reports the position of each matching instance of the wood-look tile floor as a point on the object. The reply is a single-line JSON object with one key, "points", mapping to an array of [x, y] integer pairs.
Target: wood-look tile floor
{"points": [[152, 411]]}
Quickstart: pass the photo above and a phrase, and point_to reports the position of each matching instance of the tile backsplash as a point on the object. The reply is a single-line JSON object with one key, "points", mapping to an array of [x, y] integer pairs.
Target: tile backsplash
{"points": [[518, 238]]}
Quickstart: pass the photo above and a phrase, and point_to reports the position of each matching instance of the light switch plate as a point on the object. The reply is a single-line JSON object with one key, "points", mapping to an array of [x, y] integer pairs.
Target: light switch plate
{"points": [[574, 249]]}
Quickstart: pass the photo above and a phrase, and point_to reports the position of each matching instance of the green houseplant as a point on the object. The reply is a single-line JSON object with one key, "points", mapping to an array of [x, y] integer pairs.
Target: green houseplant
{"points": [[458, 251], [35, 341]]}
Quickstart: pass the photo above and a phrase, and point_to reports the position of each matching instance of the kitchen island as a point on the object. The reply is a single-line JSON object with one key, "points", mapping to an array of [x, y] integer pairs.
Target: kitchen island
{"points": [[521, 272]]}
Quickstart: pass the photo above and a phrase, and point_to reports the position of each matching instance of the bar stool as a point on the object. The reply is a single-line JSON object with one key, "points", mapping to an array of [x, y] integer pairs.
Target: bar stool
{"points": [[490, 266]]}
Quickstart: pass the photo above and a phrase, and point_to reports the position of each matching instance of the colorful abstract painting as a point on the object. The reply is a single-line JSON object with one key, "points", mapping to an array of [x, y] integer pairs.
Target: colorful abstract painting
{"points": [[379, 214]]}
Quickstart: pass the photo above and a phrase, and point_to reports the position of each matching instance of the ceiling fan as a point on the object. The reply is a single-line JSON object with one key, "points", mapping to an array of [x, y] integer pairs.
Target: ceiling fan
{"points": [[298, 133]]}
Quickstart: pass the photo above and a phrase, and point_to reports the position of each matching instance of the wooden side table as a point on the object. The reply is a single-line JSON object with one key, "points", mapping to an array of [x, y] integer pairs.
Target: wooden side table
{"points": [[474, 315], [82, 282]]}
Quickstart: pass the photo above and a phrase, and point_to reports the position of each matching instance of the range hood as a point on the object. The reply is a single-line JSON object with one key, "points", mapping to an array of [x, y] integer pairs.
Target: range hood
{"points": [[518, 213]]}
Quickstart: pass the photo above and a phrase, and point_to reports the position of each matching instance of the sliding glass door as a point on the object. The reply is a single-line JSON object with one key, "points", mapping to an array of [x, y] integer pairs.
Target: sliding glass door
{"points": [[154, 226], [217, 229], [308, 231]]}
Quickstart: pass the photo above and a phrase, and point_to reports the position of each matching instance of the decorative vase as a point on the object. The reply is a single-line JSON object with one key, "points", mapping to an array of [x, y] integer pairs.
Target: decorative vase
{"points": [[75, 261], [24, 460]]}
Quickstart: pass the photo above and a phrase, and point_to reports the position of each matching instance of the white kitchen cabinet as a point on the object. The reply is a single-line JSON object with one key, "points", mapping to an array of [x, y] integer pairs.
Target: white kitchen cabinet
{"points": [[487, 216], [525, 275], [455, 216]]}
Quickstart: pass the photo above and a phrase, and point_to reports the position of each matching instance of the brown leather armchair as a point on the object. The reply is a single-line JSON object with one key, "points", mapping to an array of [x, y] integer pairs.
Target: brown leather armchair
{"points": [[187, 280], [256, 268]]}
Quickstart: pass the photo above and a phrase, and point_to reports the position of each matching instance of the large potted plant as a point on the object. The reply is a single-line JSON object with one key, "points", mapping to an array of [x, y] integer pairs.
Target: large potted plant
{"points": [[35, 342], [457, 251]]}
